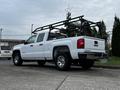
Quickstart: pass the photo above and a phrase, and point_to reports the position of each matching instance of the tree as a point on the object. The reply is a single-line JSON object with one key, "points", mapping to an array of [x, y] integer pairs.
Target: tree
{"points": [[116, 37], [102, 30], [104, 34]]}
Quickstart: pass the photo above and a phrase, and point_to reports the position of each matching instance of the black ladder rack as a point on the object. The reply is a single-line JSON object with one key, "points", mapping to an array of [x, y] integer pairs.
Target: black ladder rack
{"points": [[60, 23]]}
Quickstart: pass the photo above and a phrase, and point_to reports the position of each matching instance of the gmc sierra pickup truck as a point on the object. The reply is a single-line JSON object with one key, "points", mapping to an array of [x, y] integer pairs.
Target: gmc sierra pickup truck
{"points": [[63, 51], [73, 44]]}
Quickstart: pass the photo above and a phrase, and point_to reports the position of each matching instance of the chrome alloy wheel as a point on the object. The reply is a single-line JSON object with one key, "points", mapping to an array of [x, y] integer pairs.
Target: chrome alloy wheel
{"points": [[61, 61], [16, 59]]}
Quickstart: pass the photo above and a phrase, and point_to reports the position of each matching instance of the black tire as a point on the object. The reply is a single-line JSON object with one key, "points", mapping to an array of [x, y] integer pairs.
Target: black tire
{"points": [[41, 63], [62, 61], [17, 60], [86, 64]]}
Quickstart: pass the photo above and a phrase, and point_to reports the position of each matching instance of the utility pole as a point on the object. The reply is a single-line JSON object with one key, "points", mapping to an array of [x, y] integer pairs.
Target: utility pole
{"points": [[1, 33], [32, 28]]}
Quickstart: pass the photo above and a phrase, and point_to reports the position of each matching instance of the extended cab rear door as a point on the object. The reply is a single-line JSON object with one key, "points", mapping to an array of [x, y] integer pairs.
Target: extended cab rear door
{"points": [[39, 47]]}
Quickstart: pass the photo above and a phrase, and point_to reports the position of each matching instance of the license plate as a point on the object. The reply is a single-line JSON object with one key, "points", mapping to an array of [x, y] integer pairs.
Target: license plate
{"points": [[91, 56]]}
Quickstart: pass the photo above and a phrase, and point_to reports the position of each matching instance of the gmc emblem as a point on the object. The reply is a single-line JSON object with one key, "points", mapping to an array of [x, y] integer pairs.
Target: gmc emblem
{"points": [[96, 43]]}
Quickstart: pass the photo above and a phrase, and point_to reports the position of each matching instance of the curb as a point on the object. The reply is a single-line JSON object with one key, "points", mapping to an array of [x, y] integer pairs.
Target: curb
{"points": [[108, 67]]}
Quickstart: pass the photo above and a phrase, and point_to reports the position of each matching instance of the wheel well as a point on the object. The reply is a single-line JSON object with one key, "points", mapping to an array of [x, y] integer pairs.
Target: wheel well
{"points": [[15, 51], [61, 49]]}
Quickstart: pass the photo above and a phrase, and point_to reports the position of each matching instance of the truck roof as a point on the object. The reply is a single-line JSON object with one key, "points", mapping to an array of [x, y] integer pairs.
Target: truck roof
{"points": [[44, 31]]}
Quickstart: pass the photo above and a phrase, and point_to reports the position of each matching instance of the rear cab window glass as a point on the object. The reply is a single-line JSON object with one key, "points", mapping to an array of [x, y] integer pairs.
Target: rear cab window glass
{"points": [[53, 36], [40, 37]]}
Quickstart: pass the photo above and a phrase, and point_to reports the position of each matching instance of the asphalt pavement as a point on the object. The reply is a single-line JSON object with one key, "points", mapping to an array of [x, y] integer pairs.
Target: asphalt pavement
{"points": [[30, 76]]}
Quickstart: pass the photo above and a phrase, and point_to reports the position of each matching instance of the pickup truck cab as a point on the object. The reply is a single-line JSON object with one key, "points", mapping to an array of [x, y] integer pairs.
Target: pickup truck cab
{"points": [[64, 51]]}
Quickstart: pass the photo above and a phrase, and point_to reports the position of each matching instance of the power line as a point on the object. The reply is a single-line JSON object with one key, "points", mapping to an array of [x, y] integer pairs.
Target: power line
{"points": [[31, 28], [14, 24], [1, 33], [18, 35]]}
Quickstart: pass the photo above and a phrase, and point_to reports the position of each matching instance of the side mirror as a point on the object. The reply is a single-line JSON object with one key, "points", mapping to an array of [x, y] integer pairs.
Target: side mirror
{"points": [[25, 42]]}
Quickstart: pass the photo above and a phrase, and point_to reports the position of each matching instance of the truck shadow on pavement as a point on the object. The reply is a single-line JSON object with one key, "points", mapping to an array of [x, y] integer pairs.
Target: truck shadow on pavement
{"points": [[53, 67], [74, 70]]}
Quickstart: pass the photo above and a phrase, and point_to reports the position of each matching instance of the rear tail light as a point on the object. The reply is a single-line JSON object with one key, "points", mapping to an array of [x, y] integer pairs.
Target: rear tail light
{"points": [[80, 43]]}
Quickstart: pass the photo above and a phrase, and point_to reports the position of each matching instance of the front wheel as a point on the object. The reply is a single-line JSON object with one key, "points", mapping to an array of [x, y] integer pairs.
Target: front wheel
{"points": [[17, 59], [62, 61]]}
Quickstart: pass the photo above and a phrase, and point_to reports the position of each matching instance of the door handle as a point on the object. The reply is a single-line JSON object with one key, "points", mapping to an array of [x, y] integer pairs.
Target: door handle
{"points": [[40, 44], [31, 45]]}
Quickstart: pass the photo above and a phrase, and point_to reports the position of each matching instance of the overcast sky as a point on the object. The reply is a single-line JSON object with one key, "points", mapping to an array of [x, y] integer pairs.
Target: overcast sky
{"points": [[16, 16]]}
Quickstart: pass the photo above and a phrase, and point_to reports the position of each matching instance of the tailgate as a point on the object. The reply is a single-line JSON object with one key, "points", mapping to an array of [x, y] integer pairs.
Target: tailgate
{"points": [[94, 44]]}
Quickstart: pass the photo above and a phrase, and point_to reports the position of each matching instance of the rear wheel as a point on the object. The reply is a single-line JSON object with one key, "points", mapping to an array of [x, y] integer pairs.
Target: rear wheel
{"points": [[41, 63], [17, 60], [86, 64], [62, 61]]}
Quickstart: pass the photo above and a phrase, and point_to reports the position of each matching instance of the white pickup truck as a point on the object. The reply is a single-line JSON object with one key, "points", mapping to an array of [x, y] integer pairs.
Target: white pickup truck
{"points": [[64, 51]]}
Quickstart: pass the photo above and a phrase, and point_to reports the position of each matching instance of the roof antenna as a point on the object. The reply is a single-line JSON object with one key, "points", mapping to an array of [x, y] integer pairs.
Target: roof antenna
{"points": [[68, 15], [68, 11]]}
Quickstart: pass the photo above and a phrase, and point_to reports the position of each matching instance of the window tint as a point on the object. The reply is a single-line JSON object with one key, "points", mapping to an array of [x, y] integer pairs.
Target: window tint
{"points": [[53, 36], [31, 39], [40, 37]]}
